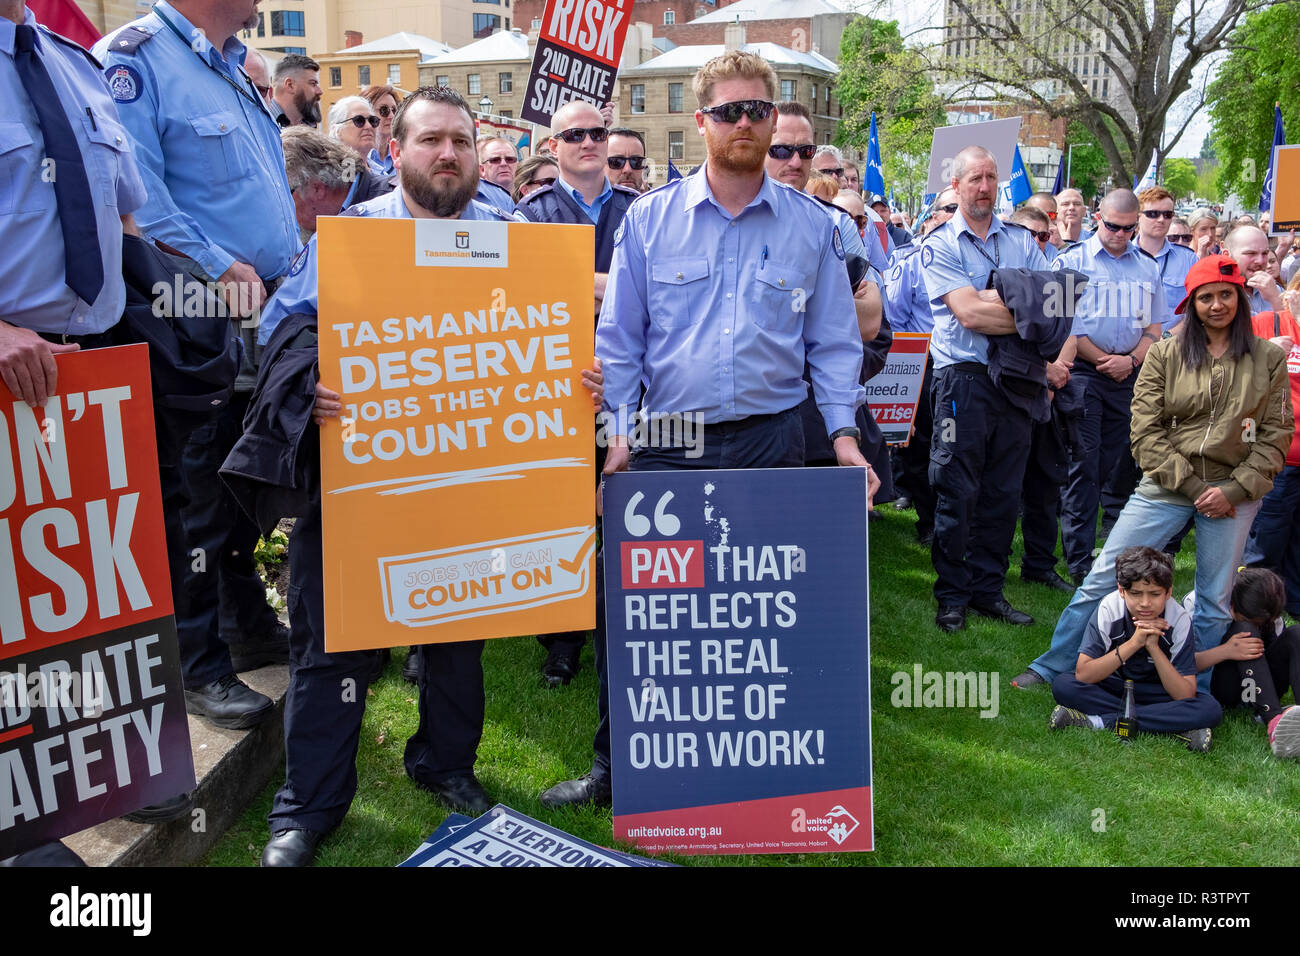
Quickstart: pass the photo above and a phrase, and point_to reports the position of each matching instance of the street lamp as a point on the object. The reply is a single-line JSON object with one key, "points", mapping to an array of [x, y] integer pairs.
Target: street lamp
{"points": [[485, 104]]}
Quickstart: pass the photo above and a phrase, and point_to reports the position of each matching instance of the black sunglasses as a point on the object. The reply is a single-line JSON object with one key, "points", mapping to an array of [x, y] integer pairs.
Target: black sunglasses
{"points": [[950, 209], [264, 90], [805, 151], [756, 110], [1042, 236], [1183, 238], [542, 182], [618, 162], [387, 111], [360, 121], [832, 171], [1114, 228], [598, 134], [1158, 213]]}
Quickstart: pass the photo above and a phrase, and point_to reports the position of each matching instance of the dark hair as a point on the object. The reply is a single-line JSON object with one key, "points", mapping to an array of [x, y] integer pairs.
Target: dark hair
{"points": [[1144, 564], [1193, 347], [376, 93], [292, 63], [1258, 594], [791, 108], [524, 174], [624, 131], [428, 94], [1026, 214]]}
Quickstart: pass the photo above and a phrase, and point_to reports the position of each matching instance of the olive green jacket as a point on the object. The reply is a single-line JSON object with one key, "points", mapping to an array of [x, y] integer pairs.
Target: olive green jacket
{"points": [[1240, 444]]}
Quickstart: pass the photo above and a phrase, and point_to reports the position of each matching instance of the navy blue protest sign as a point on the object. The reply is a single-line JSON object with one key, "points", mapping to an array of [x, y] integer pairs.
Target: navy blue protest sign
{"points": [[736, 608]]}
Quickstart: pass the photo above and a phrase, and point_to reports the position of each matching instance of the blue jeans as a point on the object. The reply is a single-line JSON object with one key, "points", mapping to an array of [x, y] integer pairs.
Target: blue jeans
{"points": [[1275, 539], [1219, 545]]}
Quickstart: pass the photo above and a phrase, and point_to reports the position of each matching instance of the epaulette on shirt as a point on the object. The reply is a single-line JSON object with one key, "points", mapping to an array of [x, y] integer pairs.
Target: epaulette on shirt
{"points": [[129, 38], [625, 189], [99, 67]]}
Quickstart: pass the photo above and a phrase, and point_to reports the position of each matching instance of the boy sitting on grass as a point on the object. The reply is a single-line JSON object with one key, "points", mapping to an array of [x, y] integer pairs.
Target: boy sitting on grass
{"points": [[1139, 633]]}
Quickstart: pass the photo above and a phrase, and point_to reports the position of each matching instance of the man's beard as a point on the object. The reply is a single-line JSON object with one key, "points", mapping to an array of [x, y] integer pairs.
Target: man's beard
{"points": [[308, 109], [739, 156], [440, 198]]}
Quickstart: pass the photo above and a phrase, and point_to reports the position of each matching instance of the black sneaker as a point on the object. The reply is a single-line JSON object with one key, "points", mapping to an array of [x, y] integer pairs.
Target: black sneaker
{"points": [[1198, 740], [230, 703], [1063, 716]]}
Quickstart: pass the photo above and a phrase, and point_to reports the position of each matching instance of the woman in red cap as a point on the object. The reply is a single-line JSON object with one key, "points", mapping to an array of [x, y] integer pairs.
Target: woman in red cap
{"points": [[1212, 420]]}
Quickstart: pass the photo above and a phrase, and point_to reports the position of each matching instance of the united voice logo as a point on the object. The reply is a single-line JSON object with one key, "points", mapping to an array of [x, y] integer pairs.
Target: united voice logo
{"points": [[837, 823]]}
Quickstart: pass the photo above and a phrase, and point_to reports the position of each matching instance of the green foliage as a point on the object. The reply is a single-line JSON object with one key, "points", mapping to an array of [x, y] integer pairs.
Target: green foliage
{"points": [[1179, 177], [877, 72], [1207, 146], [271, 551], [1207, 182], [1087, 163], [1263, 68]]}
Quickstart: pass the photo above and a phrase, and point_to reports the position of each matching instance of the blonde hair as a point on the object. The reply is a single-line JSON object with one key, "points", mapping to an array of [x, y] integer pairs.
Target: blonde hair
{"points": [[822, 187], [733, 65]]}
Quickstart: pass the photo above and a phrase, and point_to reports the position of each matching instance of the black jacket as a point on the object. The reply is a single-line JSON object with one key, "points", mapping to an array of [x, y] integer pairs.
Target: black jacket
{"points": [[553, 204], [1042, 304], [273, 471]]}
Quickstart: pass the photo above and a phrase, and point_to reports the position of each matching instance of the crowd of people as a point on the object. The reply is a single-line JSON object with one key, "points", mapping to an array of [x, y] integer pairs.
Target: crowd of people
{"points": [[761, 292]]}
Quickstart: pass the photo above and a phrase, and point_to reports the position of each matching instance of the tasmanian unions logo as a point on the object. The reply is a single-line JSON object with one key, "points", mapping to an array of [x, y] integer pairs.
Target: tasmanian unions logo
{"points": [[443, 242], [462, 240], [837, 823]]}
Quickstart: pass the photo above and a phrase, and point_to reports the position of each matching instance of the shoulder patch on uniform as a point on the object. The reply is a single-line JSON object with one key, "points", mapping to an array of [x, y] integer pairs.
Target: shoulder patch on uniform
{"points": [[299, 261], [1056, 264], [58, 38], [358, 210], [618, 233], [128, 39], [927, 255], [896, 273], [837, 243], [124, 83]]}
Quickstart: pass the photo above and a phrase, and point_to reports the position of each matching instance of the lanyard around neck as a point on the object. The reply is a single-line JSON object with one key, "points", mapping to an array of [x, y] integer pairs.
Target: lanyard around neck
{"points": [[246, 94], [996, 258]]}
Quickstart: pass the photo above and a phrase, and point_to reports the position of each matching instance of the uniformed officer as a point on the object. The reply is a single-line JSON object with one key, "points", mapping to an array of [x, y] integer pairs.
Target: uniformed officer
{"points": [[210, 156], [582, 195], [1174, 260], [1071, 218], [1046, 204], [908, 305], [699, 307], [981, 439]]}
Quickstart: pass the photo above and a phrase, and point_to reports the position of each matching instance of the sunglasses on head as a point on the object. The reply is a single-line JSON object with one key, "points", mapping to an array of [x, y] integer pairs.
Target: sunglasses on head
{"points": [[548, 181], [386, 111], [498, 160], [1114, 228], [1185, 238], [756, 110], [618, 162], [576, 135], [805, 151], [360, 121], [1158, 213]]}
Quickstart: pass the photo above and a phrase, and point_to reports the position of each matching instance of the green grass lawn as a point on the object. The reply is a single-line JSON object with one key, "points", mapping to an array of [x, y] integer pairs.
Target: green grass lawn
{"points": [[950, 788]]}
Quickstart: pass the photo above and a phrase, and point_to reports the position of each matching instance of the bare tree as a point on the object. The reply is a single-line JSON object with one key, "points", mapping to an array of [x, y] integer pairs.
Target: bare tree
{"points": [[1026, 53]]}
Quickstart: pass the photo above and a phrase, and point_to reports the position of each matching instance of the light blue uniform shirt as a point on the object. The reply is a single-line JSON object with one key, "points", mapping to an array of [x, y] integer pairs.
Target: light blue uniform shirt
{"points": [[592, 212], [210, 154], [907, 303], [1123, 295], [951, 257], [715, 313], [33, 291], [298, 291], [1175, 262], [490, 194], [380, 164]]}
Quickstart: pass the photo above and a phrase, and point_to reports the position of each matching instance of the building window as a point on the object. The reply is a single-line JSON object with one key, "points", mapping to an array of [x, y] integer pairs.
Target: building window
{"points": [[676, 144], [826, 138], [287, 49], [474, 86], [814, 98], [363, 75], [394, 74], [485, 24], [1105, 88], [287, 23], [674, 97], [788, 90], [505, 82], [827, 111], [670, 17], [442, 80], [638, 98], [336, 76], [505, 114], [261, 24]]}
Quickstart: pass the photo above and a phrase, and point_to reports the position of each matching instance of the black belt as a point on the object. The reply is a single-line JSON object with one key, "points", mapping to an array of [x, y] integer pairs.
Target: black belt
{"points": [[89, 340], [977, 368], [749, 421]]}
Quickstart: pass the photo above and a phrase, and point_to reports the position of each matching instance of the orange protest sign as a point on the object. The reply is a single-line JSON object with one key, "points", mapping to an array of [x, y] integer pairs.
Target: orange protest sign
{"points": [[1285, 214], [457, 488]]}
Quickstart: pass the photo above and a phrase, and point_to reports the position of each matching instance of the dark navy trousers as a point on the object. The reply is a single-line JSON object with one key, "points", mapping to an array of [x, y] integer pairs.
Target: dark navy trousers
{"points": [[1157, 712]]}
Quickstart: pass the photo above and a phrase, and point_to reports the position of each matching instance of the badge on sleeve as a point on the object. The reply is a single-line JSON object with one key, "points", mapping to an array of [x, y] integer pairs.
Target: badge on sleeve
{"points": [[896, 273], [927, 256], [1056, 264], [124, 83], [618, 233], [837, 243], [299, 261]]}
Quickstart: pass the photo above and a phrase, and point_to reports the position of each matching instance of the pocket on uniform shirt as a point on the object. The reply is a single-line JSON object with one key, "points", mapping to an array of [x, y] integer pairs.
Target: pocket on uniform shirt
{"points": [[108, 141], [779, 296], [18, 156], [676, 284], [220, 146]]}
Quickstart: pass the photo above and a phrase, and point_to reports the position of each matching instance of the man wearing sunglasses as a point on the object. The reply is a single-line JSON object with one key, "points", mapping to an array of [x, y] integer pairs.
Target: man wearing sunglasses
{"points": [[701, 308], [1118, 318], [582, 194], [627, 162], [1152, 238]]}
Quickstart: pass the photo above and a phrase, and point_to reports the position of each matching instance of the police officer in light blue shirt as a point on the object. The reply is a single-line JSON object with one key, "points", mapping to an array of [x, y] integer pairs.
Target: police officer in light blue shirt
{"points": [[1174, 260], [1118, 318], [981, 440], [34, 293], [210, 155]]}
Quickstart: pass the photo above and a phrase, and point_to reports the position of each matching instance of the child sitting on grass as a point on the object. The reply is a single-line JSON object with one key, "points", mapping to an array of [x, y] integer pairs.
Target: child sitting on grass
{"points": [[1138, 633], [1258, 660]]}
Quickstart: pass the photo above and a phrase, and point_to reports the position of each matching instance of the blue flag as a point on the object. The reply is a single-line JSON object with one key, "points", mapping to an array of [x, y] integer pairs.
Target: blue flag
{"points": [[524, 140], [892, 207], [1020, 188], [1279, 139], [673, 172], [875, 182], [1060, 177]]}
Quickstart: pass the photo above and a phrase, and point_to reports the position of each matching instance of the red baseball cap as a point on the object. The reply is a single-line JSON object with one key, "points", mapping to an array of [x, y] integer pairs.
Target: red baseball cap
{"points": [[1207, 270]]}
